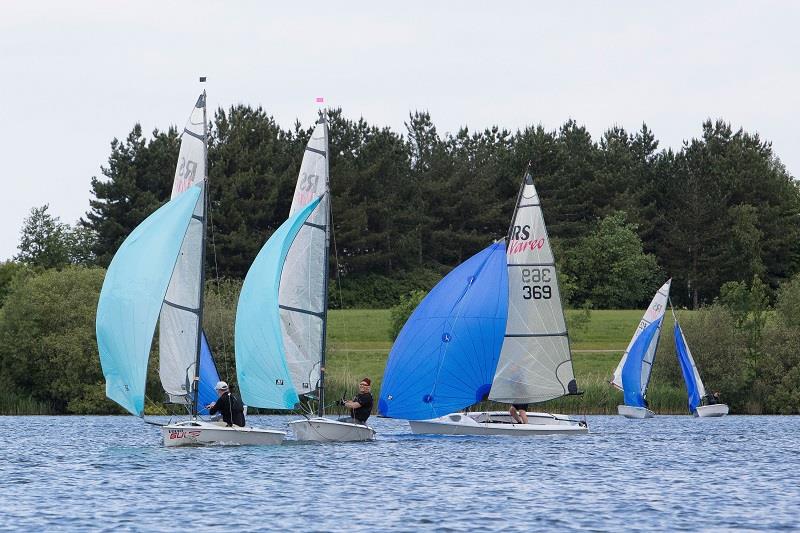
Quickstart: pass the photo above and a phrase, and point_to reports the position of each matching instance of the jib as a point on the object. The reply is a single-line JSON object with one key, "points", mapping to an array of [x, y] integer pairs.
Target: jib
{"points": [[521, 233]]}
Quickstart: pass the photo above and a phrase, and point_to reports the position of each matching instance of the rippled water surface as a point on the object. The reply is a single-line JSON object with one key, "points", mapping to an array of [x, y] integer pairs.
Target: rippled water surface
{"points": [[668, 473]]}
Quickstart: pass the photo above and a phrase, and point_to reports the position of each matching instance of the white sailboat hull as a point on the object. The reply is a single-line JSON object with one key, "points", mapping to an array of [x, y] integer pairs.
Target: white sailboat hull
{"points": [[197, 432], [629, 411], [704, 411], [327, 430], [499, 423]]}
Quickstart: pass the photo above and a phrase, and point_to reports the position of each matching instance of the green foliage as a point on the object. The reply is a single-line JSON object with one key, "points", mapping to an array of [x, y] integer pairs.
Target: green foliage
{"points": [[47, 340], [402, 311], [47, 242], [609, 268], [9, 271]]}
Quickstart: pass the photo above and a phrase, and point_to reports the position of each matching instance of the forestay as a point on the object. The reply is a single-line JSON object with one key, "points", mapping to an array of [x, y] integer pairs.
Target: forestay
{"points": [[180, 326], [445, 356], [694, 385], [302, 295], [654, 313], [535, 362], [132, 294], [261, 365]]}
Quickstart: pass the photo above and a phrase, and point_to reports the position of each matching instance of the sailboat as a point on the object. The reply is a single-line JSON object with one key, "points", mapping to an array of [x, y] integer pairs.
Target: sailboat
{"points": [[493, 328], [632, 374], [157, 276], [695, 389], [282, 314]]}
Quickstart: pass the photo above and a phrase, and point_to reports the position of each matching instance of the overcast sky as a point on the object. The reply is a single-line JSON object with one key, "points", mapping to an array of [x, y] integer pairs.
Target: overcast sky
{"points": [[76, 74]]}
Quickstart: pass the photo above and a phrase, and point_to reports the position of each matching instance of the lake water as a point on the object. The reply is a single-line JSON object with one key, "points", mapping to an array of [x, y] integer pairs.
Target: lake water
{"points": [[668, 473]]}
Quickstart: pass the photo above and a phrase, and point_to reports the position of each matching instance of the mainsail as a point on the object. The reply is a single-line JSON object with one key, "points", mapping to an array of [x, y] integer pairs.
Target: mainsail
{"points": [[180, 325], [694, 385], [132, 295], [445, 356], [535, 362], [645, 351], [303, 289], [261, 363]]}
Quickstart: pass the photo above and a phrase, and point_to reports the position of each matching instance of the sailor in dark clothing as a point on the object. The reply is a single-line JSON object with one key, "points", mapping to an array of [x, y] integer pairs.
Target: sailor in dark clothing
{"points": [[360, 406], [228, 405], [713, 399]]}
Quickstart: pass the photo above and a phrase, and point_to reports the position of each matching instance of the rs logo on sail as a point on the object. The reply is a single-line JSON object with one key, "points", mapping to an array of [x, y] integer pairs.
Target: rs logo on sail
{"points": [[521, 240]]}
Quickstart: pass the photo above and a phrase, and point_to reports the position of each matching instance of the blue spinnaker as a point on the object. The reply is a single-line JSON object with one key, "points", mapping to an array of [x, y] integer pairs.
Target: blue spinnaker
{"points": [[131, 298], [687, 367], [632, 370], [444, 358], [208, 377], [264, 378]]}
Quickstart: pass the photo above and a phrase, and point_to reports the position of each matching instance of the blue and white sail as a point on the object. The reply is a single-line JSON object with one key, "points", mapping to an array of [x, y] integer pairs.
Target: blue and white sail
{"points": [[444, 358], [180, 327], [632, 374], [132, 295], [261, 354], [302, 296], [536, 361], [209, 377], [694, 385]]}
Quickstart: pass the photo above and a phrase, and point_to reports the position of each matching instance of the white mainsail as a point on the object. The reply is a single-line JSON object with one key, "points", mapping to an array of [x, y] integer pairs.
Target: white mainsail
{"points": [[302, 295], [535, 361], [654, 312], [179, 324]]}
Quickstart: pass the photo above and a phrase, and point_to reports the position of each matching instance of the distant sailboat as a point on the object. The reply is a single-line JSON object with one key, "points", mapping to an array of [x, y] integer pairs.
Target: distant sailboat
{"points": [[492, 328], [632, 374], [281, 318], [695, 389], [157, 276]]}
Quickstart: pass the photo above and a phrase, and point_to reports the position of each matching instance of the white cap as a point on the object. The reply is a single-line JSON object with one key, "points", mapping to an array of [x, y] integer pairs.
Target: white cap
{"points": [[221, 385]]}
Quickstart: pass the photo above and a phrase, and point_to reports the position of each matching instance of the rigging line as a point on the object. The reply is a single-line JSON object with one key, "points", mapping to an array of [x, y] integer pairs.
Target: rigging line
{"points": [[219, 290], [338, 283]]}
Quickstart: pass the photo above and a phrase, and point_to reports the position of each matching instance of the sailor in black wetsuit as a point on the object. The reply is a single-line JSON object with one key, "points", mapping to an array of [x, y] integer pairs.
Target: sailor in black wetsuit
{"points": [[360, 406], [228, 405]]}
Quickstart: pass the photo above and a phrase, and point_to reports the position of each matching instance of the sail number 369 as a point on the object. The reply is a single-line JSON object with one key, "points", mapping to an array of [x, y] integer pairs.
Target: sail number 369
{"points": [[530, 279]]}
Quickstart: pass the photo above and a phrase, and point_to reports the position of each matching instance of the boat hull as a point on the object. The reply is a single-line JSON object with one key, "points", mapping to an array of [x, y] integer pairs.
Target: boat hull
{"points": [[707, 411], [198, 433], [327, 430], [499, 423], [629, 411]]}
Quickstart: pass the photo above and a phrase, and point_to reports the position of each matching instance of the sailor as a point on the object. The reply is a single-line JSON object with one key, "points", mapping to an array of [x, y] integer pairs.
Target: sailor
{"points": [[713, 399], [518, 412], [360, 406], [228, 405]]}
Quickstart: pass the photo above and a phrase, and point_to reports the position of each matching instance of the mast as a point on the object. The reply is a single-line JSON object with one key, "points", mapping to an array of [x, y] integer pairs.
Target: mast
{"points": [[321, 407], [196, 379]]}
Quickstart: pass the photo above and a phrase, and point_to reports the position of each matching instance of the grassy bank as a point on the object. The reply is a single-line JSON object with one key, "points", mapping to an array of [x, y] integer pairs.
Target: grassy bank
{"points": [[359, 344]]}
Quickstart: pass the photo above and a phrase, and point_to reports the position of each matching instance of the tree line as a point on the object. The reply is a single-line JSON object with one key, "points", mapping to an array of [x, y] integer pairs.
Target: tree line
{"points": [[407, 207]]}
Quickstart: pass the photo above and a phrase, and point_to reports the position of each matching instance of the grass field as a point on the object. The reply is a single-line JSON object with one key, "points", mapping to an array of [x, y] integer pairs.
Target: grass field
{"points": [[359, 342]]}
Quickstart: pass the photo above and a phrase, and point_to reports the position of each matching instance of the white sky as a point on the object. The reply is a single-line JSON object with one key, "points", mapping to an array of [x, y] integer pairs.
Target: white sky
{"points": [[75, 74]]}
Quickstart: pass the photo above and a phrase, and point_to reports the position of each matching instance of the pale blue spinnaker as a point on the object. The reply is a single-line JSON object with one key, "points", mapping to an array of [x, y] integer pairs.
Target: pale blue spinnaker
{"points": [[445, 357], [633, 389], [261, 366], [131, 298], [694, 385]]}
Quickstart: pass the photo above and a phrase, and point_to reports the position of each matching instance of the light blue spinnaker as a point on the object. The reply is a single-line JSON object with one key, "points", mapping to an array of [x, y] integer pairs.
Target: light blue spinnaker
{"points": [[445, 357], [131, 298], [694, 385], [209, 377], [261, 367], [632, 385]]}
